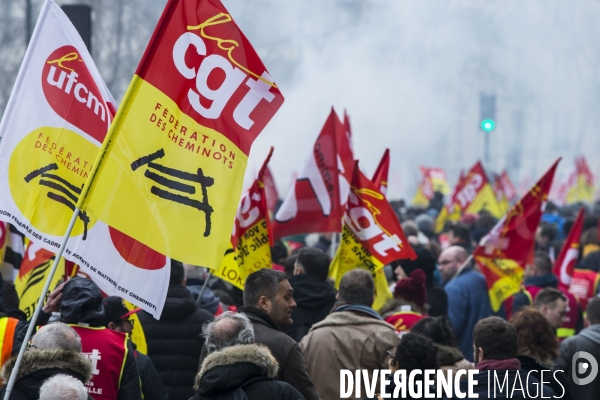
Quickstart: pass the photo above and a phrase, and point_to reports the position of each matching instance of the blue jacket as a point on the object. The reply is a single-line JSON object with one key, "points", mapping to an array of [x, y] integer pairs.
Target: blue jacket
{"points": [[468, 302]]}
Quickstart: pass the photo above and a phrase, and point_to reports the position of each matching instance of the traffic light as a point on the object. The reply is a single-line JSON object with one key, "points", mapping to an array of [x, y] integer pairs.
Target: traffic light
{"points": [[487, 107]]}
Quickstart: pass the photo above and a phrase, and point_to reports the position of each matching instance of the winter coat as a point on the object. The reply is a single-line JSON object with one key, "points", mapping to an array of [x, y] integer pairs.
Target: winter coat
{"points": [[242, 370], [529, 385], [152, 387], [468, 302], [314, 300], [292, 366], [450, 358], [587, 340], [174, 343], [210, 302], [555, 380], [39, 365], [346, 340], [437, 300]]}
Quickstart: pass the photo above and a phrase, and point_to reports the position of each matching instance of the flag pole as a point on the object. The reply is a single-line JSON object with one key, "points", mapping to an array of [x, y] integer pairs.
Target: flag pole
{"points": [[40, 304], [199, 300]]}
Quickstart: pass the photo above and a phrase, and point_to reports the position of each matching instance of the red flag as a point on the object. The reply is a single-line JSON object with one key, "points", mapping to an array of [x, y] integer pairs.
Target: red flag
{"points": [[504, 251], [270, 190], [510, 192], [565, 263], [380, 177], [345, 154], [314, 203]]}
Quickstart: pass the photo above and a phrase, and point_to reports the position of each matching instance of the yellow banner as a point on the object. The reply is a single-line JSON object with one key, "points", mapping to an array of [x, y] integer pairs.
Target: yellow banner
{"points": [[30, 284], [503, 277], [252, 253], [485, 200], [581, 191], [137, 333], [160, 162]]}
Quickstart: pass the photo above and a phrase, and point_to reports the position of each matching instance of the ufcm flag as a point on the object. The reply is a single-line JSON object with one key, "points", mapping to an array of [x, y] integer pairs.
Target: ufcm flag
{"points": [[170, 172], [371, 236], [56, 119], [503, 253], [251, 240]]}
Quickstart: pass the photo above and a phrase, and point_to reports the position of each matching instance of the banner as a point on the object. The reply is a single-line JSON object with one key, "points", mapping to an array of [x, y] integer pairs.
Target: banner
{"points": [[251, 239], [500, 195], [581, 183], [46, 157], [565, 263], [314, 203], [170, 172], [380, 177], [371, 235], [451, 210], [504, 251], [433, 180], [476, 194], [270, 190]]}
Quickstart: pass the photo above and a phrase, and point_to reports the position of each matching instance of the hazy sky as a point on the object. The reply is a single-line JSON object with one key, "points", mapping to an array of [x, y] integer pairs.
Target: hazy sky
{"points": [[409, 73]]}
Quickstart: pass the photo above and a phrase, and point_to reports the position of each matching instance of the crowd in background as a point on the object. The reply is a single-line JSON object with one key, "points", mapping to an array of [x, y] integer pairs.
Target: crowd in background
{"points": [[289, 333]]}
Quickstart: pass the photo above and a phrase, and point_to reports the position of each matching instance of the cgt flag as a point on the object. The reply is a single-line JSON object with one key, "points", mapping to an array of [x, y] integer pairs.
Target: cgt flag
{"points": [[314, 203], [451, 210], [170, 172], [380, 177], [371, 236], [46, 157], [504, 251], [581, 183], [251, 240]]}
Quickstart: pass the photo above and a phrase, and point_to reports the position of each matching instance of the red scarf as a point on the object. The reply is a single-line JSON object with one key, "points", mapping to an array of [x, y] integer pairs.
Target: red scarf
{"points": [[494, 365]]}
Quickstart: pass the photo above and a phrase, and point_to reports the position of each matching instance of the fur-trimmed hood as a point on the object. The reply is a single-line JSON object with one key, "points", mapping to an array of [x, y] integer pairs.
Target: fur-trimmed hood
{"points": [[342, 318], [35, 360], [219, 365]]}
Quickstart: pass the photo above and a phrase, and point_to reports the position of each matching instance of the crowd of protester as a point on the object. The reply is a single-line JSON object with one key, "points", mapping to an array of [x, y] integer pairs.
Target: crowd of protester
{"points": [[289, 333]]}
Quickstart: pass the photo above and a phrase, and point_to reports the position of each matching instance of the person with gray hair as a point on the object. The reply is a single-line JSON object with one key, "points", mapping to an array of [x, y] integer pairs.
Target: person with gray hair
{"points": [[228, 329], [236, 367], [55, 349], [63, 387], [353, 336]]}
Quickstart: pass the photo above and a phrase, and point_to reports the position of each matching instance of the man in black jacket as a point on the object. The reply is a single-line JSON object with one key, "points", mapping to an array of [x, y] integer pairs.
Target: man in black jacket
{"points": [[174, 344], [236, 367], [269, 303], [116, 318], [314, 296]]}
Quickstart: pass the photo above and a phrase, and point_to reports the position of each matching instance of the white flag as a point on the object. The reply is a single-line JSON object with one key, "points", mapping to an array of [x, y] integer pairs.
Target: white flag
{"points": [[56, 119]]}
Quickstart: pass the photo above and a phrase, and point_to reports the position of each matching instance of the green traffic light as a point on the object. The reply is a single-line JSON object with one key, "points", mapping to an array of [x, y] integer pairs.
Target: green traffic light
{"points": [[488, 125]]}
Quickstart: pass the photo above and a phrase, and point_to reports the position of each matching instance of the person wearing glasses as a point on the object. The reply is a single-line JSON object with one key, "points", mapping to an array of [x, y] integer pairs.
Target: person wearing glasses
{"points": [[468, 299], [116, 318]]}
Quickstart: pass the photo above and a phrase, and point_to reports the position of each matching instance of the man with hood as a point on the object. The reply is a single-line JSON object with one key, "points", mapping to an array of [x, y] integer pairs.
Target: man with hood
{"points": [[55, 349], [588, 341], [314, 296], [174, 344], [236, 367], [114, 370]]}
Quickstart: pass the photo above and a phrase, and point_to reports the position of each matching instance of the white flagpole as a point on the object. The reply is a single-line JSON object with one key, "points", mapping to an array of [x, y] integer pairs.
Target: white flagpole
{"points": [[40, 304]]}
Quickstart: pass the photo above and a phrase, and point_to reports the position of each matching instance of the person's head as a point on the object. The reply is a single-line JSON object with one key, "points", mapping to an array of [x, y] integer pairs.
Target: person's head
{"points": [[63, 387], [279, 252], [410, 228], [270, 291], [413, 352], [437, 329], [542, 265], [81, 302], [290, 264], [357, 287], [228, 329], [177, 273], [424, 261], [545, 233], [57, 336], [116, 315], [312, 261], [413, 289], [450, 261], [593, 312], [536, 336], [494, 339], [459, 233], [552, 303]]}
